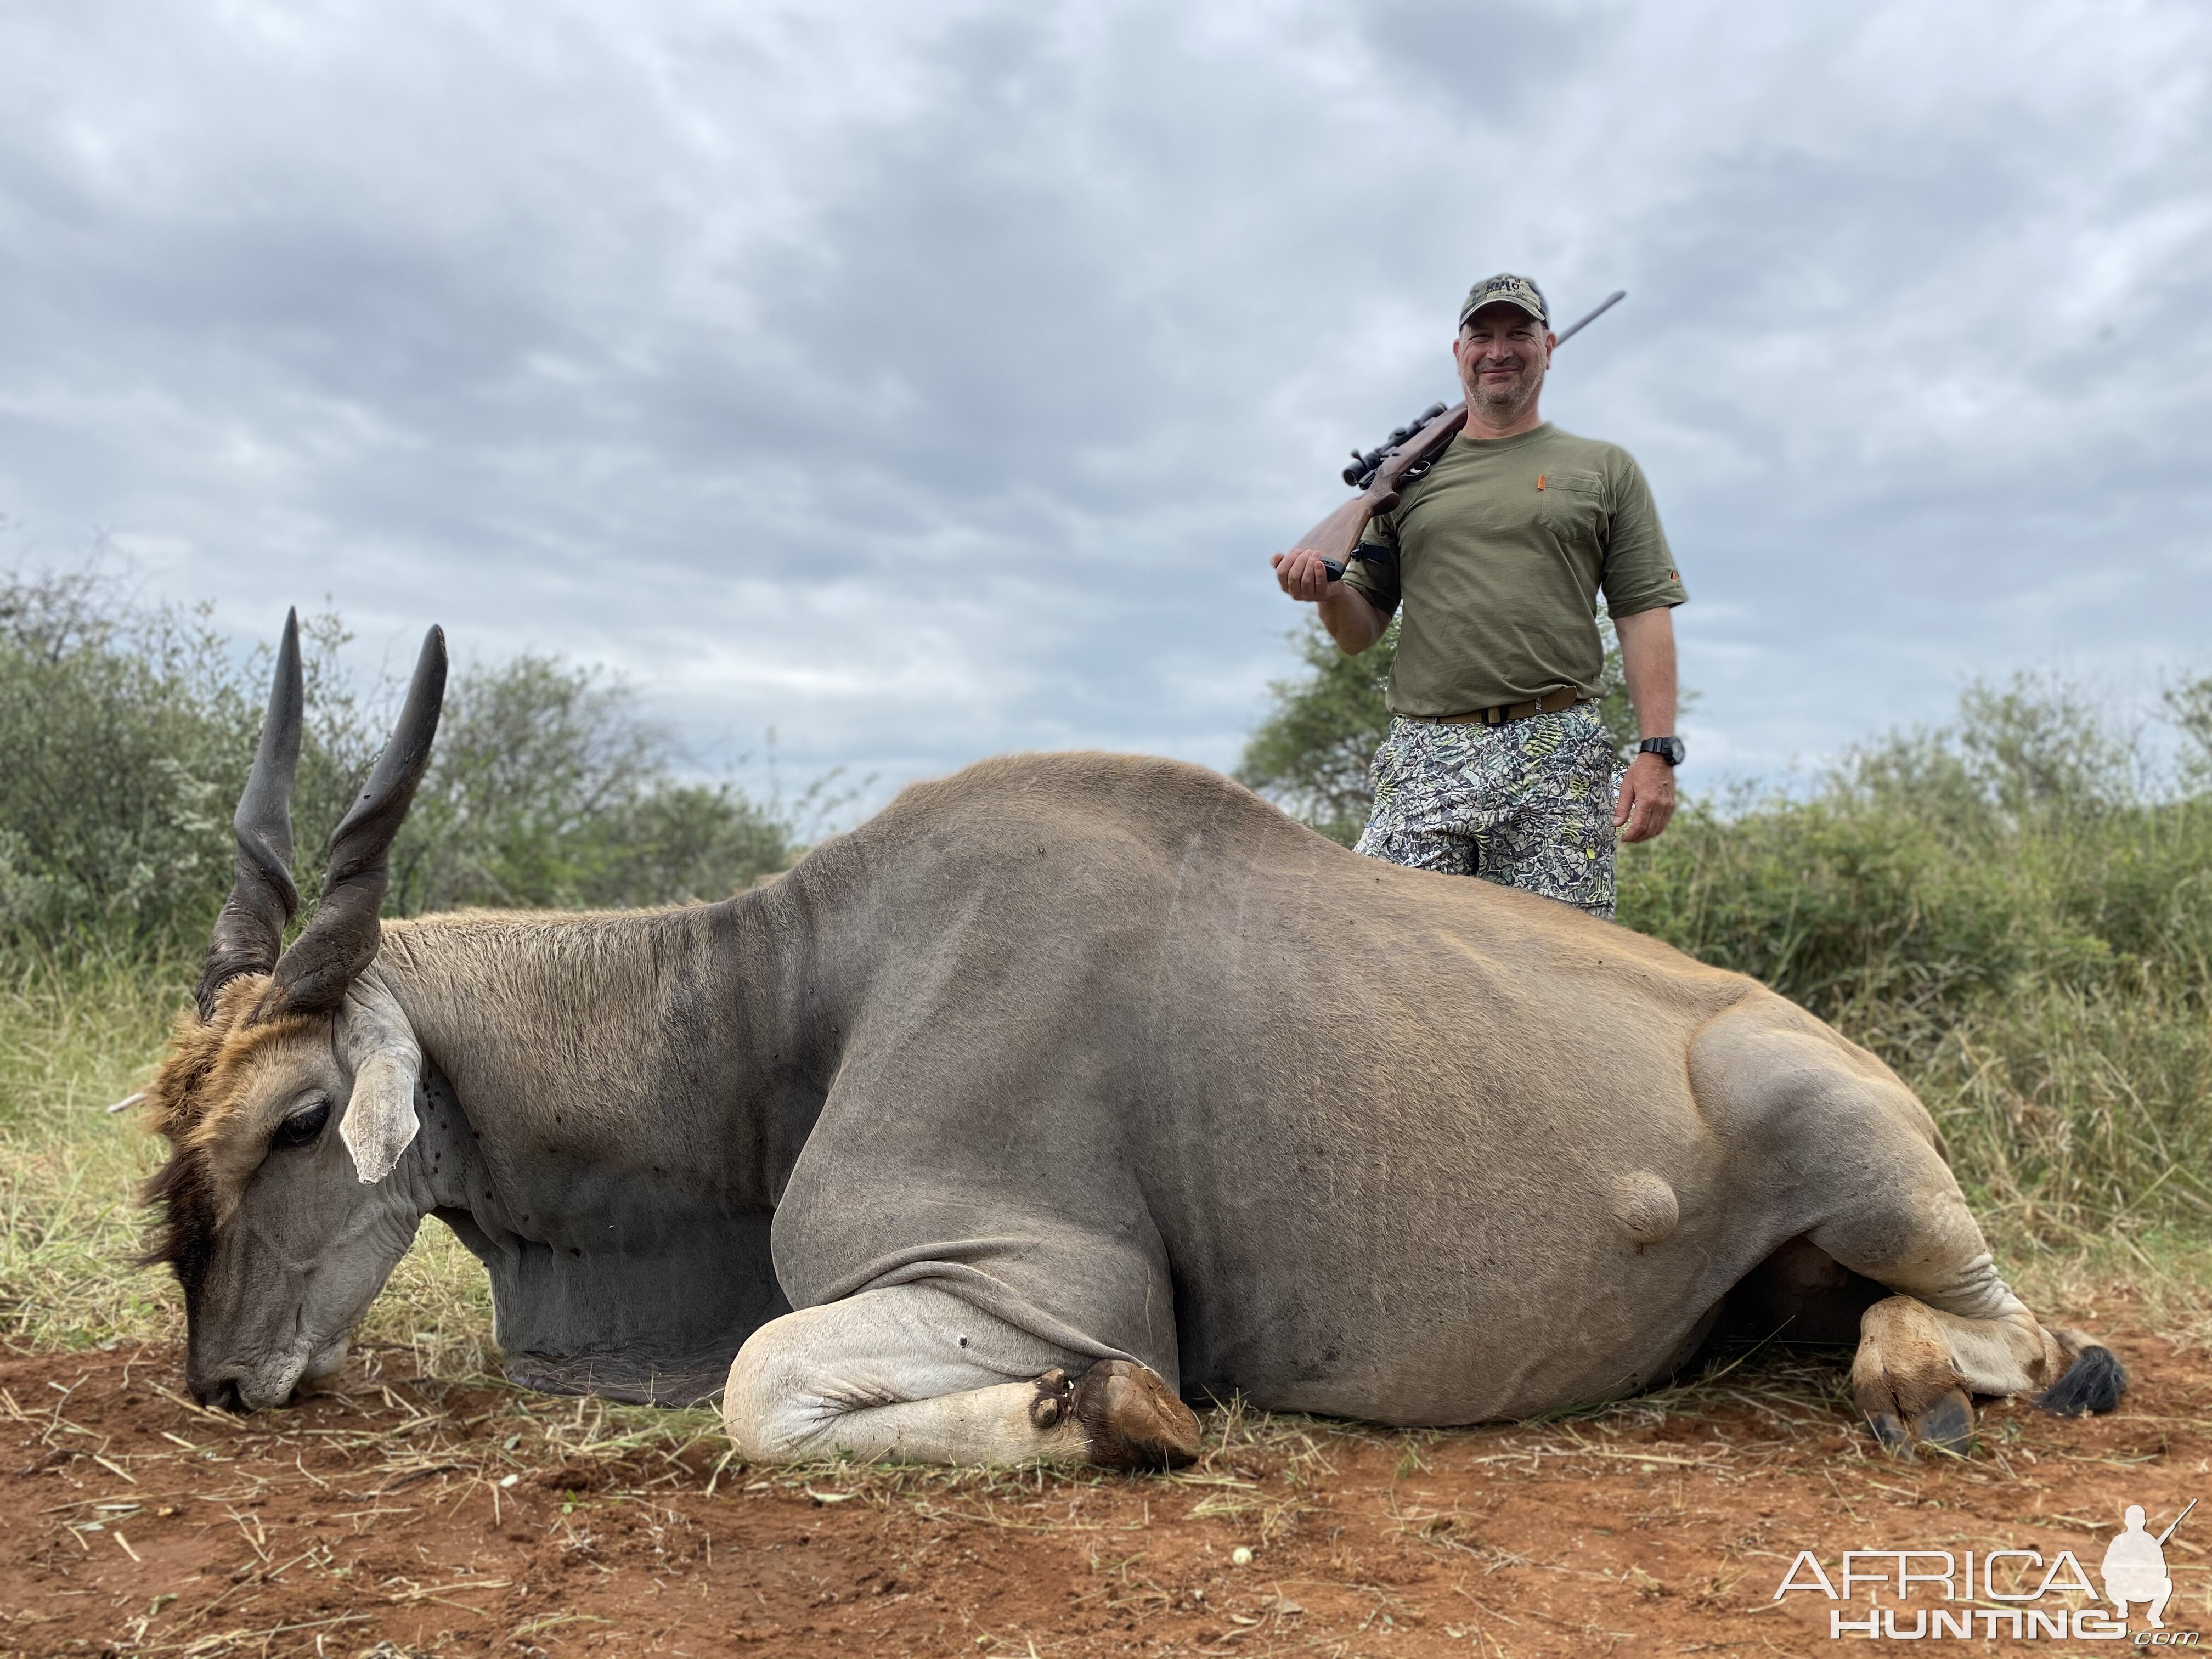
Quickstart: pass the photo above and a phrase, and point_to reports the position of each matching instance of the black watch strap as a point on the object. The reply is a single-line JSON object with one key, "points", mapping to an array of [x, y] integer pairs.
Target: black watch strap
{"points": [[1673, 750]]}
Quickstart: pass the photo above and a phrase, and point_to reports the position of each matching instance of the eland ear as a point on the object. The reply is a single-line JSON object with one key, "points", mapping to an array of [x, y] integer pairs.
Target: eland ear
{"points": [[375, 1040]]}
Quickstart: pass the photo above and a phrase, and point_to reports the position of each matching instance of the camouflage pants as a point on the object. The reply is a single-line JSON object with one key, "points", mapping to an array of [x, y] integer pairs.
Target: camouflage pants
{"points": [[1528, 804]]}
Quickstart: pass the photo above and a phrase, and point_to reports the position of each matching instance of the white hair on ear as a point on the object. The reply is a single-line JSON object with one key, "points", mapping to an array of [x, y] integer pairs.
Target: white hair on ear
{"points": [[376, 1041]]}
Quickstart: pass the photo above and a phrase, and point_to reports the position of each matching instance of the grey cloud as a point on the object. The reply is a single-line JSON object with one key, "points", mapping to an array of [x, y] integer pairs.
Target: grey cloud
{"points": [[924, 382]]}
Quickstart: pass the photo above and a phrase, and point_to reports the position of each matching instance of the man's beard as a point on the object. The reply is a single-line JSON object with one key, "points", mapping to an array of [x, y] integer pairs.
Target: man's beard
{"points": [[1504, 404]]}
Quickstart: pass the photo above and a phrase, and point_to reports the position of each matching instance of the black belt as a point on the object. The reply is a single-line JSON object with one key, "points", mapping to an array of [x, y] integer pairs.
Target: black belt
{"points": [[1550, 703]]}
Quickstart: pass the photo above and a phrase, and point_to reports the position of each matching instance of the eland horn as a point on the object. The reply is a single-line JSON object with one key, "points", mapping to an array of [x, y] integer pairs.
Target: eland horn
{"points": [[341, 940], [249, 930]]}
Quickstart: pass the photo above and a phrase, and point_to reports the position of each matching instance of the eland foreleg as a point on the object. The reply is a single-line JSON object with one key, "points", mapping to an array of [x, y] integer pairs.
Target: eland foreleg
{"points": [[913, 1373]]}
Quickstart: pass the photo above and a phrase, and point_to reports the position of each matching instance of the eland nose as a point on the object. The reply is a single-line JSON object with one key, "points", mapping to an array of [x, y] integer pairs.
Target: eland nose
{"points": [[220, 1393]]}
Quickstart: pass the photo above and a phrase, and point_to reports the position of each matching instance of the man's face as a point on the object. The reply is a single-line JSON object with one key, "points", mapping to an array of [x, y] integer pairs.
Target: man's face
{"points": [[1502, 352]]}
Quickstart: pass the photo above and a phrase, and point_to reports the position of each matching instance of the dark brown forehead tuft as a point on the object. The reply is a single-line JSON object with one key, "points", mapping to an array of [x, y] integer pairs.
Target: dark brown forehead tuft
{"points": [[193, 1091]]}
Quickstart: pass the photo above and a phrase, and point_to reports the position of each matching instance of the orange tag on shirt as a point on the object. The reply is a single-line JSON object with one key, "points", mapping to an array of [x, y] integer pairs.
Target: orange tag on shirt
{"points": [[1539, 480]]}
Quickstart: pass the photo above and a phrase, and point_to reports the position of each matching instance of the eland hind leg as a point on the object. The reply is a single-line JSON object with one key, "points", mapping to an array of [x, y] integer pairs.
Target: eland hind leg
{"points": [[1955, 1329], [913, 1373], [1804, 1103]]}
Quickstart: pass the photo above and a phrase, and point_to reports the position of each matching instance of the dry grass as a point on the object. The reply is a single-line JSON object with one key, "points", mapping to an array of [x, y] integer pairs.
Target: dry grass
{"points": [[2074, 1113]]}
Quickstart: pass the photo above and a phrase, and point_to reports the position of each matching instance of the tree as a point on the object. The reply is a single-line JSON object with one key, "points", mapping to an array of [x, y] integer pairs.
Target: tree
{"points": [[125, 731], [548, 788]]}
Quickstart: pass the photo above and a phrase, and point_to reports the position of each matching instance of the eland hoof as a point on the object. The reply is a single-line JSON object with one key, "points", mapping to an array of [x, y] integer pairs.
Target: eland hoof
{"points": [[1130, 1419], [1890, 1434], [1055, 1397], [1947, 1426]]}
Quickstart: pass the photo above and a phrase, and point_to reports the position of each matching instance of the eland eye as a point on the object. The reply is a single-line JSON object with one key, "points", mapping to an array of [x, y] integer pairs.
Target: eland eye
{"points": [[303, 1126]]}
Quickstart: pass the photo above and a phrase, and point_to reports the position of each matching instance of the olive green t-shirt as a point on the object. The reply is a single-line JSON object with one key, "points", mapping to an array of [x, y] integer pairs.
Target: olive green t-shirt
{"points": [[1500, 552]]}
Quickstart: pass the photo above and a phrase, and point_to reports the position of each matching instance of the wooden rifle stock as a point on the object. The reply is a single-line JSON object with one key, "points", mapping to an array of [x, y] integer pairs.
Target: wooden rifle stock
{"points": [[1335, 536]]}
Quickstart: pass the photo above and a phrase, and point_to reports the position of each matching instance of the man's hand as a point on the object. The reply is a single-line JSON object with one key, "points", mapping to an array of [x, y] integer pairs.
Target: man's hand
{"points": [[1301, 575], [1647, 799], [1352, 621]]}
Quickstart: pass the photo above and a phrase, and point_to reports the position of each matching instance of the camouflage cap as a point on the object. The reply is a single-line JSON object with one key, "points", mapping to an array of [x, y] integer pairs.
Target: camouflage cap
{"points": [[1505, 288]]}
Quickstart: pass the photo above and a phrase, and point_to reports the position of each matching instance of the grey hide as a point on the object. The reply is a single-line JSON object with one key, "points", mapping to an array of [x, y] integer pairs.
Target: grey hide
{"points": [[1113, 1049], [648, 1308]]}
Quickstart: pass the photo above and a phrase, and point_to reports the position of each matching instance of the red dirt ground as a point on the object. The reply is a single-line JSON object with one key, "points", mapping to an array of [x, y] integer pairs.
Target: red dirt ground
{"points": [[378, 1520]]}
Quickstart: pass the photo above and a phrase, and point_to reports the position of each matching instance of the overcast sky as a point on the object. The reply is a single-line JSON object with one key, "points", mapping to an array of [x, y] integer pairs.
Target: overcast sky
{"points": [[929, 380]]}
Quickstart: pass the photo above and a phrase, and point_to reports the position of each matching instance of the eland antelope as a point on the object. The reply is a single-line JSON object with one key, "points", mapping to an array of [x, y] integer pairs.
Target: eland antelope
{"points": [[1064, 1089]]}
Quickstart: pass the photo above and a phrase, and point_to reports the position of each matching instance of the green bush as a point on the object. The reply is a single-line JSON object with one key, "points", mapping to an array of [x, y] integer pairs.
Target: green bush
{"points": [[2020, 845], [546, 790], [2014, 910], [116, 732], [125, 733]]}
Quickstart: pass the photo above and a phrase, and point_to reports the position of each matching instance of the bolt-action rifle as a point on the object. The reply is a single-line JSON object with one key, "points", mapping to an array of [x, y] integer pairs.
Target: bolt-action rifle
{"points": [[1400, 459], [2177, 1520]]}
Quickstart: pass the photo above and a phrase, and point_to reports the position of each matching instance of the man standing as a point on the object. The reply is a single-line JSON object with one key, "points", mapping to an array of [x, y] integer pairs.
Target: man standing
{"points": [[1497, 764]]}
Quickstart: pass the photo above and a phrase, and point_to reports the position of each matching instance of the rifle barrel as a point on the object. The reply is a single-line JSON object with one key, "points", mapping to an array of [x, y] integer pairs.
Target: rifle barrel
{"points": [[1611, 300], [2177, 1520]]}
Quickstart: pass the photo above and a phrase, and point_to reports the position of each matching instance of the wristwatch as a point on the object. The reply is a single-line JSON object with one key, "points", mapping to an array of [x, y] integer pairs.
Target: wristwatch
{"points": [[1670, 749]]}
